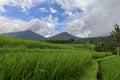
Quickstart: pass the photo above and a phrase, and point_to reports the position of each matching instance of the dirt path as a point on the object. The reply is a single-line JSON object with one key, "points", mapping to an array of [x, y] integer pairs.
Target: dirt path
{"points": [[99, 74]]}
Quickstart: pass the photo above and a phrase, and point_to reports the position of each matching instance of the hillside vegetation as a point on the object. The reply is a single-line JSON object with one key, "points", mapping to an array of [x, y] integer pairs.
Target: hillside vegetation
{"points": [[37, 60]]}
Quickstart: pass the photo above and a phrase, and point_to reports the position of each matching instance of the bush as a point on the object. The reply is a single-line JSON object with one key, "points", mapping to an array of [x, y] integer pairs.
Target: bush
{"points": [[105, 46], [61, 41]]}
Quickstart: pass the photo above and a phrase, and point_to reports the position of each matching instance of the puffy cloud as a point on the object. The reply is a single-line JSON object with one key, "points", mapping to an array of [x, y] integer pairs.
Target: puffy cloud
{"points": [[100, 16], [77, 28], [41, 27], [2, 9], [6, 25], [36, 25], [23, 4], [73, 4], [2, 3], [96, 19], [53, 10], [51, 21], [43, 10]]}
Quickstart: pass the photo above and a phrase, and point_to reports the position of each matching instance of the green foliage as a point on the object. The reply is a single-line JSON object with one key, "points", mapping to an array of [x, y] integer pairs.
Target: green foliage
{"points": [[112, 44], [98, 55], [35, 60], [61, 41], [105, 46], [116, 35]]}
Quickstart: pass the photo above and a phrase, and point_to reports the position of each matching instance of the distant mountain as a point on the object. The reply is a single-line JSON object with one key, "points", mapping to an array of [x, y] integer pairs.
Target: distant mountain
{"points": [[97, 38], [30, 35], [64, 35]]}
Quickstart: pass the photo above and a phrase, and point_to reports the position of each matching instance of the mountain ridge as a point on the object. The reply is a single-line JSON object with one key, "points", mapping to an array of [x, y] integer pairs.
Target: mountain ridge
{"points": [[28, 34], [64, 35]]}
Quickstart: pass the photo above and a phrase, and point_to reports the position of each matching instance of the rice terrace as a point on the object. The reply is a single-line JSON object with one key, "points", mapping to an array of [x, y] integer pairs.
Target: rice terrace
{"points": [[59, 40]]}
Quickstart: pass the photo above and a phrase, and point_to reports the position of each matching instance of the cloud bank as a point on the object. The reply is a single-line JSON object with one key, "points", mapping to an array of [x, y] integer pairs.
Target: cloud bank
{"points": [[23, 4], [95, 18], [36, 25]]}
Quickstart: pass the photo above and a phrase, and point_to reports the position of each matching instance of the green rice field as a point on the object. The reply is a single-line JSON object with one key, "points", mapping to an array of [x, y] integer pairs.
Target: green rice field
{"points": [[35, 60]]}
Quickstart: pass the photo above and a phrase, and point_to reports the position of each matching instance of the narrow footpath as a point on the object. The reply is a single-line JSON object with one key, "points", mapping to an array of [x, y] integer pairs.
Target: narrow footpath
{"points": [[99, 72]]}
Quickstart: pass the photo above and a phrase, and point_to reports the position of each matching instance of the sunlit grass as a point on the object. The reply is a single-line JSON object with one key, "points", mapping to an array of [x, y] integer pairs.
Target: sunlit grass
{"points": [[44, 65]]}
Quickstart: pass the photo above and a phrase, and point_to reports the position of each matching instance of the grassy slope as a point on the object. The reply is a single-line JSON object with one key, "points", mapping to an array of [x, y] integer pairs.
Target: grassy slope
{"points": [[100, 55], [6, 42], [34, 60]]}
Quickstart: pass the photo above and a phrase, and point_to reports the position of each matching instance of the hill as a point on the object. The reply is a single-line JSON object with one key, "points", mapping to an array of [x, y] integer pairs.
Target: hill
{"points": [[64, 35], [30, 35]]}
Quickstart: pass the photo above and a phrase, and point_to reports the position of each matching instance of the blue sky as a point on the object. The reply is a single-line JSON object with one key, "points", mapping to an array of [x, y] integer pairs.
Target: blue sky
{"points": [[15, 12], [82, 18], [39, 11]]}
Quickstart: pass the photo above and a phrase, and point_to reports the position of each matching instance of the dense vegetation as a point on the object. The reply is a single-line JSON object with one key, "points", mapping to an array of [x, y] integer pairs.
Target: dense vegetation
{"points": [[61, 41], [34, 60], [110, 44], [39, 60], [29, 44], [107, 45], [116, 35]]}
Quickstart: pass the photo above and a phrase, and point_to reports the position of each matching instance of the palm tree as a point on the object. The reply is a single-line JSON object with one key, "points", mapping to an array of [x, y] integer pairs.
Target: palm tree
{"points": [[116, 36]]}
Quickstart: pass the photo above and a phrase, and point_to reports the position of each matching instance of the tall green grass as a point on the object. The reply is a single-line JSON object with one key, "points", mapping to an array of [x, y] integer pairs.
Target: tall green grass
{"points": [[110, 69], [43, 65], [90, 71], [99, 55], [36, 60]]}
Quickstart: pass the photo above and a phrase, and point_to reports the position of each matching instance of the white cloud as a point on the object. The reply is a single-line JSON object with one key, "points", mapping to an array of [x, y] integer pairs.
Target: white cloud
{"points": [[23, 4], [2, 3], [36, 25], [43, 10], [100, 16], [50, 25], [51, 21], [77, 28], [2, 9], [73, 4], [69, 13], [97, 17], [7, 25], [53, 10], [41, 27]]}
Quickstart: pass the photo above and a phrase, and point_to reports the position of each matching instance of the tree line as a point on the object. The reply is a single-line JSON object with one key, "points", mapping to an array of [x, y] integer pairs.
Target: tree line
{"points": [[112, 44]]}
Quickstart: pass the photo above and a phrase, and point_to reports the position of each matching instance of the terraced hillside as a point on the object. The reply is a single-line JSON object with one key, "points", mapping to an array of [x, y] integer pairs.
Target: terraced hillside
{"points": [[35, 60]]}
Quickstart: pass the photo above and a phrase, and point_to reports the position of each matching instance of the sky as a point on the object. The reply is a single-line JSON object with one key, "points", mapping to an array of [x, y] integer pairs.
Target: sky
{"points": [[81, 18]]}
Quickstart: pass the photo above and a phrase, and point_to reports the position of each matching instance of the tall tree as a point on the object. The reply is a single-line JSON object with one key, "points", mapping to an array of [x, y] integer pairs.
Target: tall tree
{"points": [[116, 36]]}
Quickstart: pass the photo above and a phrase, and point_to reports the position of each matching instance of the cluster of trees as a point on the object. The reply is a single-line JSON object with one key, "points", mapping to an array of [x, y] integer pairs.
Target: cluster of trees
{"points": [[112, 44], [61, 41], [105, 46], [116, 35]]}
